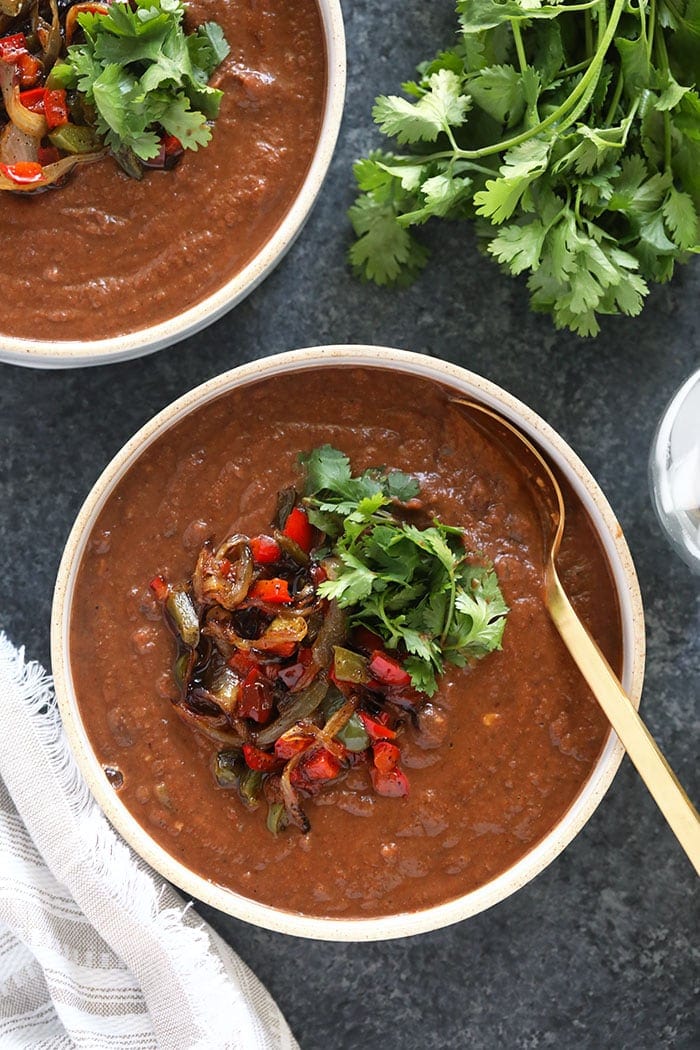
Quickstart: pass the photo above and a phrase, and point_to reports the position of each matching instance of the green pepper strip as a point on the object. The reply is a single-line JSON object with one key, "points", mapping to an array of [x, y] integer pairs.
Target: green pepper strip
{"points": [[306, 702], [184, 617]]}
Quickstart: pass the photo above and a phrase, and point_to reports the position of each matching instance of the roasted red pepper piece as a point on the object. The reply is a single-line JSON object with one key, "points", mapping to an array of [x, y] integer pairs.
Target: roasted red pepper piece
{"points": [[56, 108], [260, 761], [255, 699], [388, 671], [386, 756], [393, 784], [159, 588], [299, 528], [265, 550], [13, 46], [275, 591], [242, 662], [374, 728], [172, 145], [24, 172], [33, 100], [292, 744], [320, 765], [304, 669], [29, 69]]}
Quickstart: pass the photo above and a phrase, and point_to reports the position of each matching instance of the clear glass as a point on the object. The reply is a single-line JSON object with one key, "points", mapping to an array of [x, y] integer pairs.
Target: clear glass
{"points": [[674, 470]]}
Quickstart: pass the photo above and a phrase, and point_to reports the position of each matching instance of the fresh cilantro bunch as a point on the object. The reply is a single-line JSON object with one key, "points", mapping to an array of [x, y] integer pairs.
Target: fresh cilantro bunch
{"points": [[570, 133], [140, 72], [413, 587]]}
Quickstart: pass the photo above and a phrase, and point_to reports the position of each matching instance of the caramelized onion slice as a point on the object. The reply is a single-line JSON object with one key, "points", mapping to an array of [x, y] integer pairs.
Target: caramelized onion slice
{"points": [[16, 146], [52, 172], [209, 583], [30, 123]]}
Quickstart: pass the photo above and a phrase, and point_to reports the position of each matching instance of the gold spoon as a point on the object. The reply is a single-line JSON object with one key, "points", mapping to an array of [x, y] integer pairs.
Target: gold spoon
{"points": [[634, 735]]}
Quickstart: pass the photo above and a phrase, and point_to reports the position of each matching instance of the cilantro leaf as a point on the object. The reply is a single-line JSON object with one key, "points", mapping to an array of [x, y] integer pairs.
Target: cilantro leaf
{"points": [[442, 106], [579, 159], [414, 587], [146, 77]]}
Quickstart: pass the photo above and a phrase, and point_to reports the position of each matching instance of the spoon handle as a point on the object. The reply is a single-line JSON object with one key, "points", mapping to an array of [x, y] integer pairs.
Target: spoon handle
{"points": [[634, 735]]}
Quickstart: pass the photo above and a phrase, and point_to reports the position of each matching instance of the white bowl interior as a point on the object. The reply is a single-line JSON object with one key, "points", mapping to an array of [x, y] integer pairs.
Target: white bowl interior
{"points": [[593, 790], [74, 353]]}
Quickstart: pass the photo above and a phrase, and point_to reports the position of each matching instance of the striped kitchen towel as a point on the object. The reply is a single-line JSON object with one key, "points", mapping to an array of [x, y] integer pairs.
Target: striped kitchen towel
{"points": [[96, 950]]}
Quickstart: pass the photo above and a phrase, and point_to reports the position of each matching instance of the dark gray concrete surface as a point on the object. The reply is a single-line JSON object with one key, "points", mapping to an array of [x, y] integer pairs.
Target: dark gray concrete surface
{"points": [[598, 952]]}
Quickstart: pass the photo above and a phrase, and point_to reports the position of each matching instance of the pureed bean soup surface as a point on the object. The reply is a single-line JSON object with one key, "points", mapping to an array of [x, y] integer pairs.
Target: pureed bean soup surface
{"points": [[501, 751], [107, 254]]}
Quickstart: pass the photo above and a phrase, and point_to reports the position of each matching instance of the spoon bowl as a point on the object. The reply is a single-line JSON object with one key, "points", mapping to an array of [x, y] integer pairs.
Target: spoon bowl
{"points": [[641, 747]]}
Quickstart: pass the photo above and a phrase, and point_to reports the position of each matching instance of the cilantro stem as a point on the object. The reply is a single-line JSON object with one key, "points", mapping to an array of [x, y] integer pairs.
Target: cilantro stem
{"points": [[667, 141], [652, 27], [588, 30], [615, 102], [583, 90], [662, 53], [571, 70], [519, 46]]}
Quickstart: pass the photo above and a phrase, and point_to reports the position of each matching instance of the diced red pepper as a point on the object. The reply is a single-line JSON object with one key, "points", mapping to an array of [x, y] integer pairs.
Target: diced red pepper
{"points": [[303, 669], [260, 761], [159, 588], [386, 756], [255, 699], [320, 765], [33, 99], [393, 784], [56, 108], [172, 145], [13, 46], [292, 744], [388, 671], [365, 639], [374, 728], [299, 528], [29, 69], [242, 662], [275, 591], [285, 649], [48, 155], [24, 172], [265, 550], [225, 566]]}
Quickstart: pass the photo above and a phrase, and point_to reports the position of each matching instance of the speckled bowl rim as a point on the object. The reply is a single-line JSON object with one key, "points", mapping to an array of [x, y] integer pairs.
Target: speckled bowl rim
{"points": [[400, 925], [42, 353]]}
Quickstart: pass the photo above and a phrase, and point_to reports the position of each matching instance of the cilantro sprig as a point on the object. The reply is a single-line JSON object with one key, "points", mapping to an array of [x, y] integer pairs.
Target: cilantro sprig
{"points": [[570, 135], [414, 587], [139, 72]]}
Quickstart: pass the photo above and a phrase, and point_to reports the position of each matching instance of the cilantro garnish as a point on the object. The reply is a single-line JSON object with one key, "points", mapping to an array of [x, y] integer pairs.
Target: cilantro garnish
{"points": [[569, 134], [414, 587], [142, 75]]}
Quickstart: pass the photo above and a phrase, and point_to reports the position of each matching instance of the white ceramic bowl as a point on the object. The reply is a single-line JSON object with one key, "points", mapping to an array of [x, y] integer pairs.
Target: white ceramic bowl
{"points": [[593, 790], [71, 354]]}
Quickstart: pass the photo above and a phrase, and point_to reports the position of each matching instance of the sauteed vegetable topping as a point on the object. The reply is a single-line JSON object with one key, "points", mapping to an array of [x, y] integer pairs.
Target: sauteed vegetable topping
{"points": [[305, 652], [79, 80]]}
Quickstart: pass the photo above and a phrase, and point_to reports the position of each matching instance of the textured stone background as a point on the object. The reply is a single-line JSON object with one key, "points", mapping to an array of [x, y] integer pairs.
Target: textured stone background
{"points": [[597, 953]]}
